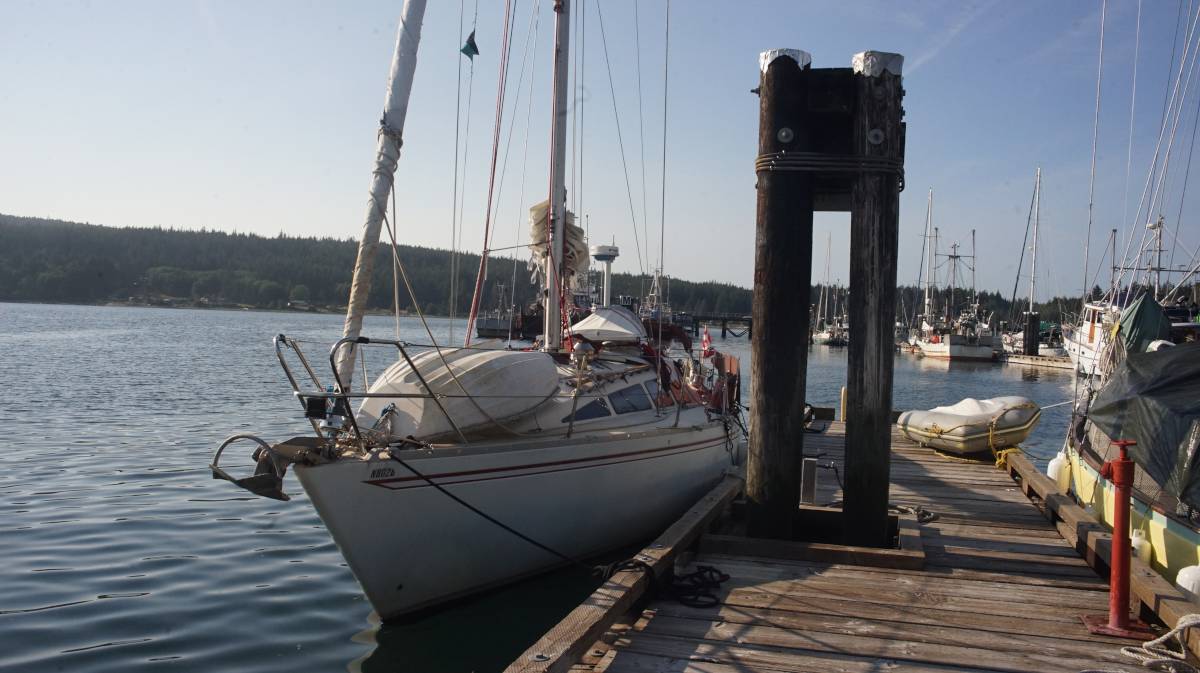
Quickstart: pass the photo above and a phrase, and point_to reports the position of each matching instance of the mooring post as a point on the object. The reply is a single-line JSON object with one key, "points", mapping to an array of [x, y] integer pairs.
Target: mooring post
{"points": [[1032, 334], [874, 226], [782, 270]]}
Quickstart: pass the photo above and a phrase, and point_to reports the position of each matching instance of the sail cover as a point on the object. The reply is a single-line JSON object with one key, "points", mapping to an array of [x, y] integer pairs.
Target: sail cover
{"points": [[486, 386], [610, 323], [1143, 322], [1154, 399]]}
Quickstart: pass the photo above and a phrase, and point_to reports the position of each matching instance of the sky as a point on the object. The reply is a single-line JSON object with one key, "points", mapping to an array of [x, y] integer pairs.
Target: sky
{"points": [[261, 117]]}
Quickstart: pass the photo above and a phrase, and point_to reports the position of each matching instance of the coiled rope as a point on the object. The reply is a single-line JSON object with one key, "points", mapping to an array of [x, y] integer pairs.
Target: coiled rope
{"points": [[1159, 654]]}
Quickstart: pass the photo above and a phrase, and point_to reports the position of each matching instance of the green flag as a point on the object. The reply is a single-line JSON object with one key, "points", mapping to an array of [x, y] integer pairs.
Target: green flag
{"points": [[470, 49]]}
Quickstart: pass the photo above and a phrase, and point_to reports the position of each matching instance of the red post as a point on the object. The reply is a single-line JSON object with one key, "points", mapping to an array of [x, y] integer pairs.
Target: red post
{"points": [[1120, 473]]}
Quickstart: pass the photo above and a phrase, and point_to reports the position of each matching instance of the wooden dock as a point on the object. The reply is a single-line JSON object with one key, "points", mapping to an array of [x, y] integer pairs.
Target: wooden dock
{"points": [[1048, 361], [995, 580]]}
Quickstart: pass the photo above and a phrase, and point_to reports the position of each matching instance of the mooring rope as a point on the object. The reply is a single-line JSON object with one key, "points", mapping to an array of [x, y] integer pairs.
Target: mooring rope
{"points": [[1158, 654]]}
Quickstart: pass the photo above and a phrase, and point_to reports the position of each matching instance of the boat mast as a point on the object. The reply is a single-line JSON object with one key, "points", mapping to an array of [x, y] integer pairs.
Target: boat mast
{"points": [[933, 260], [929, 260], [387, 154], [953, 257], [974, 297], [823, 304], [552, 329], [1037, 198]]}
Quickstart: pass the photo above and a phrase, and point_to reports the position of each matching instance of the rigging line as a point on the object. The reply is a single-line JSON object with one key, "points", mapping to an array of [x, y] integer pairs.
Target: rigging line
{"points": [[454, 192], [1137, 43], [1156, 198], [1021, 262], [457, 234], [395, 276], [512, 301], [582, 108], [1178, 115], [637, 41], [1158, 143], [438, 349], [574, 112], [662, 222], [1095, 136], [513, 115], [497, 127], [620, 141], [1183, 192]]}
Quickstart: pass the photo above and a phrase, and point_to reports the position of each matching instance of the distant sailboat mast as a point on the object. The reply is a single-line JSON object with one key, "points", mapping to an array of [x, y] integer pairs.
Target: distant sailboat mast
{"points": [[1037, 197], [387, 154], [552, 330], [929, 260]]}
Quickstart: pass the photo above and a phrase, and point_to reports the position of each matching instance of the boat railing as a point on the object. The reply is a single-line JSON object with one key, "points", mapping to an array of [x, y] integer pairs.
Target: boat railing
{"points": [[317, 401]]}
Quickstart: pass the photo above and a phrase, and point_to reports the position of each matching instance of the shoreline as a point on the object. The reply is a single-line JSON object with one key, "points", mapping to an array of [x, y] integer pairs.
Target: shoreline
{"points": [[233, 308]]}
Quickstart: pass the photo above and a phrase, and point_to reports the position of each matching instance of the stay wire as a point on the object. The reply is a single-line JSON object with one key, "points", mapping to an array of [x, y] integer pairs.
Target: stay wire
{"points": [[1174, 89], [1095, 138], [637, 41], [512, 301], [1137, 43], [620, 140], [497, 128]]}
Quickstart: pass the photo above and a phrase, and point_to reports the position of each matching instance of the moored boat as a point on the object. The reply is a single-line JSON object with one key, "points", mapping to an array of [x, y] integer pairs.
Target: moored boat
{"points": [[464, 468], [972, 425], [1149, 398]]}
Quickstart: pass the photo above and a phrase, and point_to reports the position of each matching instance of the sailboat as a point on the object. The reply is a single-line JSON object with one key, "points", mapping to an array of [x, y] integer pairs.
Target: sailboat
{"points": [[465, 468], [1049, 342], [967, 337]]}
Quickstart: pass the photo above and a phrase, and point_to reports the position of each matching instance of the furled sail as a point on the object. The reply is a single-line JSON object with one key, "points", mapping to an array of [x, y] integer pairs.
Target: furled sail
{"points": [[575, 251]]}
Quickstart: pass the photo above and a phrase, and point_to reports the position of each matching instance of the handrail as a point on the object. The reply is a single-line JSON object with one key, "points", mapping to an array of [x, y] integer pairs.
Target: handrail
{"points": [[400, 347], [279, 341]]}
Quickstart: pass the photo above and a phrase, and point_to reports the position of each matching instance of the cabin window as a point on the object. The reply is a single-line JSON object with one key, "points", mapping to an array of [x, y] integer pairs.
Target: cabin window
{"points": [[597, 408], [664, 400], [630, 399]]}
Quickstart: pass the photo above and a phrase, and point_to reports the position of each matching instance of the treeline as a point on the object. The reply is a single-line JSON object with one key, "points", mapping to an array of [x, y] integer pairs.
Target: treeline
{"points": [[57, 261]]}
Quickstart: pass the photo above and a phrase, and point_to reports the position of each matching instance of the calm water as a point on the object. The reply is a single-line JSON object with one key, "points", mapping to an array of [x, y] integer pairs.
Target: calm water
{"points": [[118, 551]]}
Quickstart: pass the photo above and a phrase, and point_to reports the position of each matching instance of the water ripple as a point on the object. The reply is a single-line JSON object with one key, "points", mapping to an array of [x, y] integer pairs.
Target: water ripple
{"points": [[121, 552]]}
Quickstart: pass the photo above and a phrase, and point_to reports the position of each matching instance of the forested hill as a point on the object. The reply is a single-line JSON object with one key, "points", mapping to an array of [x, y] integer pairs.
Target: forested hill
{"points": [[56, 261]]}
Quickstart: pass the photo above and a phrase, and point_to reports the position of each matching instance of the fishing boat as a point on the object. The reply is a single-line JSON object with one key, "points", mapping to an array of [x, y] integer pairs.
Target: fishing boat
{"points": [[972, 425], [966, 337], [458, 469]]}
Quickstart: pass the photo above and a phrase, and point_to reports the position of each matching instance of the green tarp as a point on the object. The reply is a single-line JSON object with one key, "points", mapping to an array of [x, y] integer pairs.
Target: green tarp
{"points": [[1154, 399], [1143, 322]]}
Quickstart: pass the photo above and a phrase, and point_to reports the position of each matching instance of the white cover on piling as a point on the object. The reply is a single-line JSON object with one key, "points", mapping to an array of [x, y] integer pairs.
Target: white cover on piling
{"points": [[972, 425], [875, 63], [504, 384], [803, 58], [610, 323]]}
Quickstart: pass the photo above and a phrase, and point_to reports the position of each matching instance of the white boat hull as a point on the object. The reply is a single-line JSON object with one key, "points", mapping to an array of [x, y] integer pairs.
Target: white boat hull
{"points": [[412, 546], [958, 348]]}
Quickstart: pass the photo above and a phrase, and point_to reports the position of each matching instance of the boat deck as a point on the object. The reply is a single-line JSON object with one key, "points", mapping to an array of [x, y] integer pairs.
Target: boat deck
{"points": [[989, 584]]}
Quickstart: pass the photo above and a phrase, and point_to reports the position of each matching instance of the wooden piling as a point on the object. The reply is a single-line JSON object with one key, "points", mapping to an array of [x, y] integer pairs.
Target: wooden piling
{"points": [[1032, 334], [874, 230], [782, 272]]}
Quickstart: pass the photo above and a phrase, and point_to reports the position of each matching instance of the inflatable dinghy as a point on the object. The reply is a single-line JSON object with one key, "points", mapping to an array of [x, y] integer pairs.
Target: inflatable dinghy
{"points": [[972, 425]]}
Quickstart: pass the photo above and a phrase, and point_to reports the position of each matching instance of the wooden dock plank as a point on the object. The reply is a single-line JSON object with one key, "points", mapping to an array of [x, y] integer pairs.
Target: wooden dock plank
{"points": [[1001, 588]]}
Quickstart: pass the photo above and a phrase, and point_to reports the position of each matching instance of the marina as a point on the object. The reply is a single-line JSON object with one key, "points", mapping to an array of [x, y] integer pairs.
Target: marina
{"points": [[649, 433]]}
